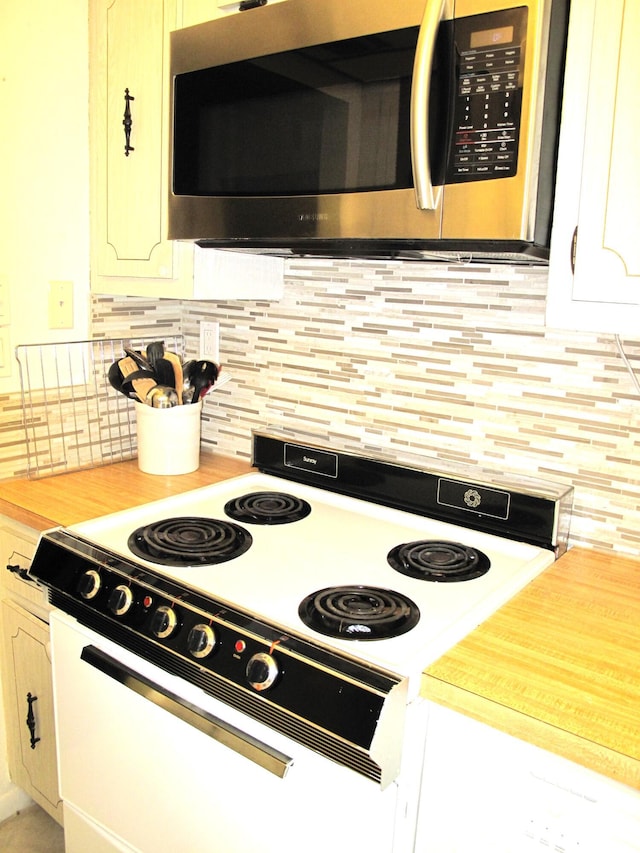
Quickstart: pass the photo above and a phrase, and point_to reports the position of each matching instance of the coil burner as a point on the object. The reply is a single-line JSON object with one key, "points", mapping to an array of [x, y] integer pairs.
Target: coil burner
{"points": [[267, 508], [359, 612], [439, 561], [189, 541]]}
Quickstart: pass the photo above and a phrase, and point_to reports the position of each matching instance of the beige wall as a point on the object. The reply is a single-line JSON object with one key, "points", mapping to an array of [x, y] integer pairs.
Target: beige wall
{"points": [[44, 203]]}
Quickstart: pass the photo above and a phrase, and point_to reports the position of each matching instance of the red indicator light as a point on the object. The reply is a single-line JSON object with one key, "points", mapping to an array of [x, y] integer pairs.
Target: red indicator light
{"points": [[240, 646], [147, 601]]}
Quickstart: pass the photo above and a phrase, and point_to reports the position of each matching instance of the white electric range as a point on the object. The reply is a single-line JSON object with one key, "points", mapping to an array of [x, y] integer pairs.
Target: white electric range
{"points": [[286, 615]]}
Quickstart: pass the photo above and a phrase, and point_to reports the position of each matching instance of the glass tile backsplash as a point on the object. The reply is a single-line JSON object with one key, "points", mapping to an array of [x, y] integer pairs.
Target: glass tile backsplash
{"points": [[451, 361]]}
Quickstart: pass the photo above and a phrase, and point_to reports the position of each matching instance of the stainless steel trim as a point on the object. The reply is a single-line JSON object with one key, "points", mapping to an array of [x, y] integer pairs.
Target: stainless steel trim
{"points": [[244, 744], [427, 196]]}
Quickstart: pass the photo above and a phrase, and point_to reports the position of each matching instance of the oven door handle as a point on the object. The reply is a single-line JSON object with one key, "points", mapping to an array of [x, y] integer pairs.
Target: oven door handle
{"points": [[271, 759]]}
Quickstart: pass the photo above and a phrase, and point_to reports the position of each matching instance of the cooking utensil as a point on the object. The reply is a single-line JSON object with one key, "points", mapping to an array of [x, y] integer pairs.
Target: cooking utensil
{"points": [[200, 378], [140, 360], [155, 351], [115, 377], [178, 377], [163, 370], [142, 381], [161, 366], [162, 397]]}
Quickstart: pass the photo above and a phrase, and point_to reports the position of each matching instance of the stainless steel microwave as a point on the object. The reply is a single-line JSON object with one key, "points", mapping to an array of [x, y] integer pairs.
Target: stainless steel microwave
{"points": [[369, 128]]}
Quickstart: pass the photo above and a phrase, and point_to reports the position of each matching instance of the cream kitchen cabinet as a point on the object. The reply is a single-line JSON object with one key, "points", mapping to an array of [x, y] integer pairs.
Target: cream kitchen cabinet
{"points": [[129, 90], [29, 707], [594, 271], [129, 57], [518, 797], [26, 674]]}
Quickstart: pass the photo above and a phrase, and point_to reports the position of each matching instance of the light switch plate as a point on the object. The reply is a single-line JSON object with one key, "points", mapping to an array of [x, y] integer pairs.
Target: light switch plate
{"points": [[61, 305]]}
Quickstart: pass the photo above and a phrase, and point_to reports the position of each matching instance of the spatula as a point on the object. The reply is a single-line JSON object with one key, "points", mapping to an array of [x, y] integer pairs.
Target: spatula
{"points": [[178, 377]]}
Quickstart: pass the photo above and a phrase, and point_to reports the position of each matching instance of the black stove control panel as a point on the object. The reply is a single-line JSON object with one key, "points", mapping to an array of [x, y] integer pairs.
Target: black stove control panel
{"points": [[247, 663]]}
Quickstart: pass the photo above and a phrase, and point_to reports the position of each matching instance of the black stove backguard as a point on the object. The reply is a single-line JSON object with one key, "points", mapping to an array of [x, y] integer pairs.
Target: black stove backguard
{"points": [[524, 509]]}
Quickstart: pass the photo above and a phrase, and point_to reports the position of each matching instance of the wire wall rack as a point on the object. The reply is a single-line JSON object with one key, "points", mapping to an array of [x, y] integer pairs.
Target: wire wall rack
{"points": [[72, 416]]}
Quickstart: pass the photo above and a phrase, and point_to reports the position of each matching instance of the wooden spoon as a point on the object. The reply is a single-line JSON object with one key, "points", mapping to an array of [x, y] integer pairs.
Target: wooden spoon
{"points": [[142, 383], [176, 364]]}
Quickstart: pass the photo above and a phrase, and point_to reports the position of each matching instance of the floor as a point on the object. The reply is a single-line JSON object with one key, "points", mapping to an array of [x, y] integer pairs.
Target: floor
{"points": [[31, 831]]}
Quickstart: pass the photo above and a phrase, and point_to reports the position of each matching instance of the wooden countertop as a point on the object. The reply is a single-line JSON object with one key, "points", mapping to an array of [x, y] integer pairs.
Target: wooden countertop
{"points": [[559, 665], [70, 498]]}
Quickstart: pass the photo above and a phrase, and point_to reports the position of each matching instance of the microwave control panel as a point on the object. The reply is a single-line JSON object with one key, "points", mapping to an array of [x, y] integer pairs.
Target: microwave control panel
{"points": [[490, 54]]}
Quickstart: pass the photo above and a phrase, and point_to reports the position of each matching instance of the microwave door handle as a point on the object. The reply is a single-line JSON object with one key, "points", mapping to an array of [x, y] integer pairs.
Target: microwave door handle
{"points": [[427, 196]]}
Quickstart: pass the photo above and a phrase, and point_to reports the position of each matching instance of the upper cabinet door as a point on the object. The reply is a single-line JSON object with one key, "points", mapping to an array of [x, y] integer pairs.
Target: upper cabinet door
{"points": [[129, 182], [597, 217]]}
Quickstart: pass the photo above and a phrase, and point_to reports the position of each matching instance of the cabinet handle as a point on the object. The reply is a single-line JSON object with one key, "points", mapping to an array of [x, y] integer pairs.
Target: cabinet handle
{"points": [[127, 122], [18, 570], [574, 243], [31, 720]]}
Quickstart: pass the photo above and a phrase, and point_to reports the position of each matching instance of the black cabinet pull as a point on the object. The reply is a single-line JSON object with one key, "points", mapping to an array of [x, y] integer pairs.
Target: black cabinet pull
{"points": [[31, 720], [18, 570], [127, 122]]}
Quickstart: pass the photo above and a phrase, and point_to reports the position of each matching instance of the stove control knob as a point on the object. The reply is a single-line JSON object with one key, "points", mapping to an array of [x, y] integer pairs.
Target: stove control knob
{"points": [[164, 622], [89, 584], [201, 640], [120, 600], [262, 670]]}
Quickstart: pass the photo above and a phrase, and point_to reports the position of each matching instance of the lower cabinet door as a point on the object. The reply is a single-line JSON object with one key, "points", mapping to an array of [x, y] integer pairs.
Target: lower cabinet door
{"points": [[28, 702]]}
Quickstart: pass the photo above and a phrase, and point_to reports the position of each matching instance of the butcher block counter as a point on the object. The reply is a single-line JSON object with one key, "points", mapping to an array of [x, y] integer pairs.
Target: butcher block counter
{"points": [[559, 665], [70, 498]]}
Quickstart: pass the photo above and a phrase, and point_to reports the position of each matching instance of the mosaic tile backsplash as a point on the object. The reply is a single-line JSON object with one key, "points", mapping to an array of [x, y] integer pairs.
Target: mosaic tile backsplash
{"points": [[407, 359]]}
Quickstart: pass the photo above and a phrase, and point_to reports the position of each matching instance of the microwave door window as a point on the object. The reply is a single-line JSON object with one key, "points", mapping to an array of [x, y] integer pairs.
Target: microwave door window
{"points": [[268, 146], [327, 119]]}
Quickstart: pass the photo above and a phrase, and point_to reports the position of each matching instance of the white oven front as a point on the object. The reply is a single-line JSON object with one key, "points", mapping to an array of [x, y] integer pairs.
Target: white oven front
{"points": [[150, 763]]}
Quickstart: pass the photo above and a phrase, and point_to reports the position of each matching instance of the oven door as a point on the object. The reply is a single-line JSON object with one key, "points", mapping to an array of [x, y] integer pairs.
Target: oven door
{"points": [[149, 763]]}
